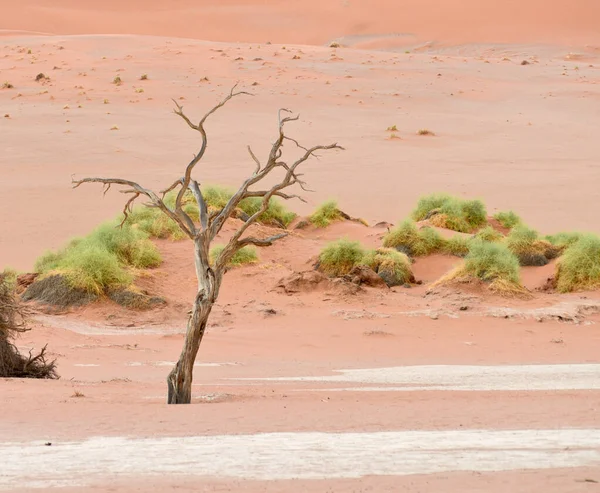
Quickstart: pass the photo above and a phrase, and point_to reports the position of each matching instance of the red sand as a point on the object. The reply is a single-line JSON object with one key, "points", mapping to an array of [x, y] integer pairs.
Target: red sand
{"points": [[520, 137]]}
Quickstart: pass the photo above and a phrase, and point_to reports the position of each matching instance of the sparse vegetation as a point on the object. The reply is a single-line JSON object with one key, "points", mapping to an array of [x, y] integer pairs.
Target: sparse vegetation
{"points": [[144, 77], [325, 214], [392, 128], [424, 131], [457, 245], [406, 237], [117, 80], [102, 259], [13, 322], [391, 265], [564, 240], [450, 212], [245, 255], [489, 234], [579, 267], [339, 257], [508, 219], [7, 85], [525, 243]]}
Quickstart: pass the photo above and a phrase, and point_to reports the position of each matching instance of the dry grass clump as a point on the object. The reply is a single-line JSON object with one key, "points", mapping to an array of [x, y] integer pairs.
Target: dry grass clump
{"points": [[102, 259], [275, 215], [489, 234], [407, 238], [525, 243], [244, 256], [339, 257], [12, 322], [326, 214], [450, 212], [391, 265], [457, 245], [507, 219], [579, 267], [564, 240], [491, 263]]}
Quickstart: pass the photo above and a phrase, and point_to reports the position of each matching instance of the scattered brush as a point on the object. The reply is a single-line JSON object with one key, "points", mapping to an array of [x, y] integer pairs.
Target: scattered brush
{"points": [[101, 260], [424, 131], [245, 255], [117, 81], [579, 267], [450, 212], [407, 238], [564, 240], [12, 322], [275, 215], [326, 214], [144, 77], [489, 234], [508, 219], [492, 263], [457, 245], [525, 243], [391, 265], [339, 257]]}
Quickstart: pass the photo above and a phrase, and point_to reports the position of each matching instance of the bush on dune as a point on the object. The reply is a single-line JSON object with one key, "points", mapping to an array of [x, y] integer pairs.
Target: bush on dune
{"points": [[245, 255], [339, 257], [579, 267], [489, 234], [457, 245], [408, 238], [391, 265], [507, 219], [450, 212], [275, 215], [525, 243], [565, 239], [325, 214], [103, 259]]}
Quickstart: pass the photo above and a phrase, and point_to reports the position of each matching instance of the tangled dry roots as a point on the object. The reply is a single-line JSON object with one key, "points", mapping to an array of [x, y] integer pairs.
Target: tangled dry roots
{"points": [[12, 322]]}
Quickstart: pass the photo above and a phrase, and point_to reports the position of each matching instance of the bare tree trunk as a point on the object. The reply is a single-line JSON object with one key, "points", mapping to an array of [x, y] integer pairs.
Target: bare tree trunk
{"points": [[180, 378]]}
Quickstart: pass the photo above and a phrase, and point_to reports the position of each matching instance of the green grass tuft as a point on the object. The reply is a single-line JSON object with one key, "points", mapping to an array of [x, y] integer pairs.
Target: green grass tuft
{"points": [[275, 214], [489, 234], [564, 240], [339, 257], [492, 262], [451, 212], [579, 267], [391, 265], [245, 255], [457, 245], [325, 214], [507, 219], [102, 259], [413, 241]]}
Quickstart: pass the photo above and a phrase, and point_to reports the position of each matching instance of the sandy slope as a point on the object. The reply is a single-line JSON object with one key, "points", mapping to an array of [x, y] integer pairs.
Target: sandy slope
{"points": [[315, 22], [518, 136]]}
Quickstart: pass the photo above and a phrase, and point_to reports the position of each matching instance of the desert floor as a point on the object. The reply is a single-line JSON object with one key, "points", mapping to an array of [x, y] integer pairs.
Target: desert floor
{"points": [[320, 390]]}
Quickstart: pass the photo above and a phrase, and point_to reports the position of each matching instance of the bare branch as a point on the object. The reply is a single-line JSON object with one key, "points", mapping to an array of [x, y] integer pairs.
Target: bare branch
{"points": [[255, 159], [195, 188], [261, 242]]}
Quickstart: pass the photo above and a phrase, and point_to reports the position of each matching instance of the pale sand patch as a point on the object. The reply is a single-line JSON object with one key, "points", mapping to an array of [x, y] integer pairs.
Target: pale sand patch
{"points": [[280, 456]]}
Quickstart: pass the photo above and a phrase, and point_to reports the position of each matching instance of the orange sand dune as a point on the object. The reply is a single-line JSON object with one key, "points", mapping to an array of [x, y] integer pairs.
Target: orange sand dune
{"points": [[313, 21]]}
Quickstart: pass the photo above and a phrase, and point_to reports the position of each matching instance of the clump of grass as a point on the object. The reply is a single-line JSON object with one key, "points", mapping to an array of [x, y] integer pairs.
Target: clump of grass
{"points": [[154, 223], [451, 212], [339, 257], [564, 240], [216, 197], [424, 131], [508, 219], [392, 128], [489, 234], [579, 267], [457, 245], [525, 243], [7, 85], [407, 238], [103, 259], [325, 214], [144, 77], [117, 80], [9, 277], [276, 213], [245, 255], [391, 265], [491, 261]]}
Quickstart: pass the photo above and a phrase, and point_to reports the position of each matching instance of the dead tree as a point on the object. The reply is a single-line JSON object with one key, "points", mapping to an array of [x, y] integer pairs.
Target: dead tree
{"points": [[203, 233]]}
